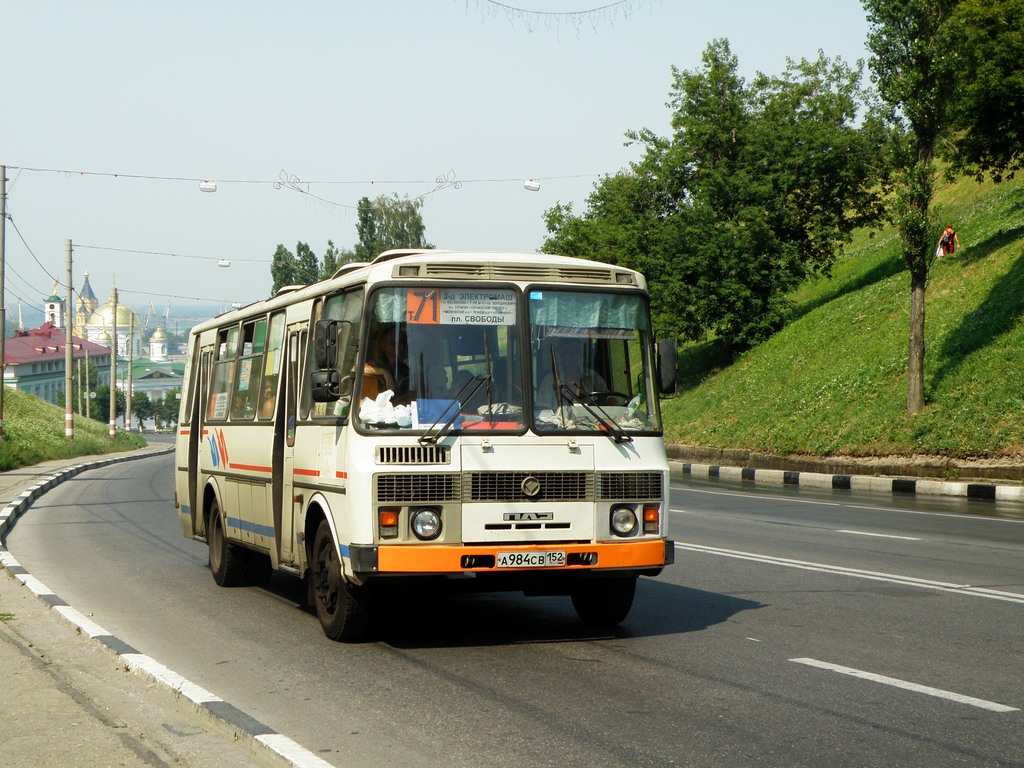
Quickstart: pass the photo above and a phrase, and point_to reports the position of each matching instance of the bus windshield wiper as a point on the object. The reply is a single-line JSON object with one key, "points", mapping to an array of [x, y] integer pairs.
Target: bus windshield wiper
{"points": [[572, 397], [472, 386]]}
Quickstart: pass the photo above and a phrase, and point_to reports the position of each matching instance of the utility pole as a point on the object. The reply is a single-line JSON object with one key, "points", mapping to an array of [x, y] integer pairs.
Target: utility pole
{"points": [[88, 385], [113, 364], [128, 387], [69, 373], [3, 311]]}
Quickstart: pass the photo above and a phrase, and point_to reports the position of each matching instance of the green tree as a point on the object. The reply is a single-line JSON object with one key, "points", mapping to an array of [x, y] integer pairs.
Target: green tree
{"points": [[952, 74], [284, 269], [299, 268], [165, 410], [100, 408], [142, 408], [334, 258], [388, 222], [989, 89], [758, 186]]}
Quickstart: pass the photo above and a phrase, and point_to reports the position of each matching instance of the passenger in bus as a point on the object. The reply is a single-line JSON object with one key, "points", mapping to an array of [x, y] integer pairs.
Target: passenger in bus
{"points": [[571, 369], [269, 397], [388, 362]]}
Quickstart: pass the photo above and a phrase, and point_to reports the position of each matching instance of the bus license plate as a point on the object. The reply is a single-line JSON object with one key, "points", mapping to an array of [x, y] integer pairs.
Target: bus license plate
{"points": [[547, 558]]}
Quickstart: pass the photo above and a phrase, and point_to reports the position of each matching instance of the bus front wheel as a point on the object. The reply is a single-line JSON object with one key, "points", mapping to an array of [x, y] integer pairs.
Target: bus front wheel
{"points": [[343, 608], [226, 561], [604, 602]]}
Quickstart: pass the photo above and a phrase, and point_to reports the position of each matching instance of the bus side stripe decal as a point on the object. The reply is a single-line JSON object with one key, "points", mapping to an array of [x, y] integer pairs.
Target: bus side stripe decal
{"points": [[250, 467], [245, 525], [223, 446]]}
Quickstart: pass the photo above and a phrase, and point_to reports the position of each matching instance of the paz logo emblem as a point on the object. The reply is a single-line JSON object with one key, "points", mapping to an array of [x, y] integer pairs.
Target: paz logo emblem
{"points": [[530, 487]]}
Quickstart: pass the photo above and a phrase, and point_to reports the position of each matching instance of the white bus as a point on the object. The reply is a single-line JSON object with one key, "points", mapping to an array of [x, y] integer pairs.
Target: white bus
{"points": [[489, 418]]}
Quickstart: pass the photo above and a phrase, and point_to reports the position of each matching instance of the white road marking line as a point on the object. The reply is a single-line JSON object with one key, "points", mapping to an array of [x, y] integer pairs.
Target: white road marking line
{"points": [[846, 505], [892, 578], [764, 496], [908, 686], [880, 535]]}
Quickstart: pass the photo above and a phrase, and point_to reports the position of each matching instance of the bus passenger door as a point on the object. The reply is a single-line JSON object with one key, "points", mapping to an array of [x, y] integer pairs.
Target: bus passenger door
{"points": [[196, 439], [286, 507]]}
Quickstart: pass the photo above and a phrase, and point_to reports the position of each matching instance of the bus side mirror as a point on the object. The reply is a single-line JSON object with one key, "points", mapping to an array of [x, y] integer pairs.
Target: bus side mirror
{"points": [[326, 386], [668, 365], [325, 344]]}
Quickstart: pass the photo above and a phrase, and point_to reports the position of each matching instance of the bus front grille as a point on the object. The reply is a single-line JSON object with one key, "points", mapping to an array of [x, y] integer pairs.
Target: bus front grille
{"points": [[413, 454], [527, 486], [418, 488], [629, 485]]}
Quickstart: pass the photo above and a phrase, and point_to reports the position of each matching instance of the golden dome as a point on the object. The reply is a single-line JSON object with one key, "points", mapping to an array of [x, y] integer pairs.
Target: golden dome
{"points": [[158, 335], [103, 318]]}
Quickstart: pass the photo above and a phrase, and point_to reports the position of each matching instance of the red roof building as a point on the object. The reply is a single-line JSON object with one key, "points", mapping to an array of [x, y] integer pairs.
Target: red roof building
{"points": [[34, 360]]}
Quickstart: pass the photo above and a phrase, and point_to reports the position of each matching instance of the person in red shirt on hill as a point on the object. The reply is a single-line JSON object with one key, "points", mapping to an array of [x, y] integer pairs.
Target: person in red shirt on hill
{"points": [[948, 241]]}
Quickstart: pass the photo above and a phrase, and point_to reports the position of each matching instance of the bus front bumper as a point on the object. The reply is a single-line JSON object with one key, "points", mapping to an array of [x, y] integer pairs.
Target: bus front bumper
{"points": [[647, 557]]}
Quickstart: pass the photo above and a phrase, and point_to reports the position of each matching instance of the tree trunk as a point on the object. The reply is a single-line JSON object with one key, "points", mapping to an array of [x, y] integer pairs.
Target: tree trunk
{"points": [[915, 360]]}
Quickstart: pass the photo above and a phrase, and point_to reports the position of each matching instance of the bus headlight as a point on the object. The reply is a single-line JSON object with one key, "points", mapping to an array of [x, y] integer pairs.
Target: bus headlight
{"points": [[623, 521], [426, 523]]}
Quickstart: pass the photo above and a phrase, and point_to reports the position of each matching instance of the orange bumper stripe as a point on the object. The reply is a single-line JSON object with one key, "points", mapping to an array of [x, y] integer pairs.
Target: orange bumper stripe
{"points": [[441, 558]]}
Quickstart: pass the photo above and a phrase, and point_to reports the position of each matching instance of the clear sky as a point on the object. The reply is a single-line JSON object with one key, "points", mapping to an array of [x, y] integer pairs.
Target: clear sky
{"points": [[350, 99]]}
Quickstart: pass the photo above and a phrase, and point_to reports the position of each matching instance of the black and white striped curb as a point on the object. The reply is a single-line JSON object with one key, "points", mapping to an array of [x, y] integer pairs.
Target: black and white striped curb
{"points": [[205, 702], [18, 506], [871, 483]]}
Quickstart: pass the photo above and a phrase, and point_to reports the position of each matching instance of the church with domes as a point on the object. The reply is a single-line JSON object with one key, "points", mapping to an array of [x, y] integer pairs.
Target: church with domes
{"points": [[33, 366], [96, 323]]}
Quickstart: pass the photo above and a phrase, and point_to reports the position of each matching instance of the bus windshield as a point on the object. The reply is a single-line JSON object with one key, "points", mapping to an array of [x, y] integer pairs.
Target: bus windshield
{"points": [[591, 362], [469, 358], [446, 354]]}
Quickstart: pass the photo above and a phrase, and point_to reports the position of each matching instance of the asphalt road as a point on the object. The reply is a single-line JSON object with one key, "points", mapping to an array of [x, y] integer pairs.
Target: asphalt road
{"points": [[796, 629]]}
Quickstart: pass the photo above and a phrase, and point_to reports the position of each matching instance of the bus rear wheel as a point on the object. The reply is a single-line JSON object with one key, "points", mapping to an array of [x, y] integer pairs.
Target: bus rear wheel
{"points": [[343, 608], [604, 602], [226, 561]]}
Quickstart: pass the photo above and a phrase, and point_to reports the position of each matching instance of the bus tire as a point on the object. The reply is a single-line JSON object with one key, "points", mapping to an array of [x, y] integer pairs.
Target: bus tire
{"points": [[258, 568], [604, 602], [226, 561], [343, 608]]}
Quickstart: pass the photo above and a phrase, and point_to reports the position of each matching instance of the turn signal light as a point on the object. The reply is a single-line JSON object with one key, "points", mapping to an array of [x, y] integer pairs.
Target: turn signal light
{"points": [[387, 520], [652, 520]]}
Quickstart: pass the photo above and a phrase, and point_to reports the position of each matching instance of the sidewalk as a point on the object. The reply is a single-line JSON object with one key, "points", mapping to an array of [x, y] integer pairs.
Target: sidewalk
{"points": [[66, 700]]}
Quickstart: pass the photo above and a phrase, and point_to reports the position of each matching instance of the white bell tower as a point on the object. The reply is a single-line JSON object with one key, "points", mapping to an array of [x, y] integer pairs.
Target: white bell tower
{"points": [[53, 309]]}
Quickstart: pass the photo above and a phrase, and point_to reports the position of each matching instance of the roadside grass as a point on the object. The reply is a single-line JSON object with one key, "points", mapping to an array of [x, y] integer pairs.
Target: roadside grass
{"points": [[833, 382], [34, 432]]}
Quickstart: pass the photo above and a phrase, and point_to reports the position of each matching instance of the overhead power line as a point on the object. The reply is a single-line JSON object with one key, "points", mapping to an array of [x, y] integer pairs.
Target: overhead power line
{"points": [[162, 253]]}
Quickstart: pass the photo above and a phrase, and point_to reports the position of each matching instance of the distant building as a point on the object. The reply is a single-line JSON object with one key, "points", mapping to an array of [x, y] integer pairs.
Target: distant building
{"points": [[100, 327], [156, 379], [34, 360], [85, 305]]}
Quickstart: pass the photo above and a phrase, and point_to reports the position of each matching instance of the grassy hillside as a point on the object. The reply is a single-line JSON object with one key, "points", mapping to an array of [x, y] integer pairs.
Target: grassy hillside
{"points": [[834, 381], [34, 432]]}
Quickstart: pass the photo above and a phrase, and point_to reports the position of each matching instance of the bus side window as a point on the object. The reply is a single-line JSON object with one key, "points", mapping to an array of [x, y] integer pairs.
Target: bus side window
{"points": [[271, 367], [223, 374], [245, 400]]}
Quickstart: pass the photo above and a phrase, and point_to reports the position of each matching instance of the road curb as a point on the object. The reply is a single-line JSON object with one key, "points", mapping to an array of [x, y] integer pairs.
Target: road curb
{"points": [[205, 703], [870, 483]]}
